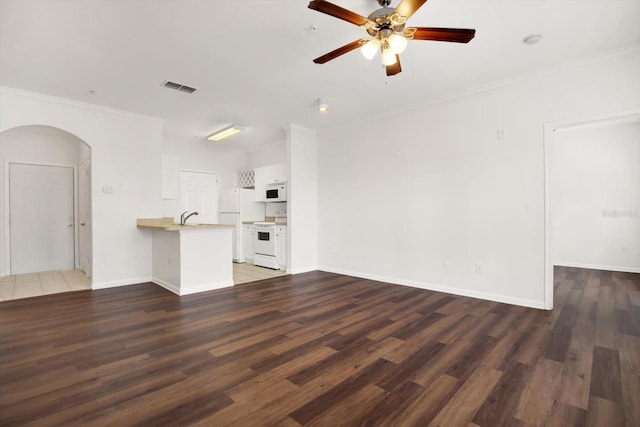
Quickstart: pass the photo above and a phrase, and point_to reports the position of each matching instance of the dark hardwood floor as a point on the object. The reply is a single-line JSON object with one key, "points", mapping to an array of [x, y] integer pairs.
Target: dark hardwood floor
{"points": [[322, 349]]}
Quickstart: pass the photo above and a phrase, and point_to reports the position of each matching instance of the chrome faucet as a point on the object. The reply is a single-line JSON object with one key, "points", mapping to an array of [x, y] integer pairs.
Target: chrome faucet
{"points": [[183, 219]]}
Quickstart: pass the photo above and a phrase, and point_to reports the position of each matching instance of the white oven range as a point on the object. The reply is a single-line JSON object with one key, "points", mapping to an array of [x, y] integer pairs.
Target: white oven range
{"points": [[264, 245]]}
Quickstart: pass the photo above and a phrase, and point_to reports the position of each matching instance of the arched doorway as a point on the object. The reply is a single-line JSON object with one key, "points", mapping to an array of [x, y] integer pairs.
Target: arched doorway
{"points": [[45, 210]]}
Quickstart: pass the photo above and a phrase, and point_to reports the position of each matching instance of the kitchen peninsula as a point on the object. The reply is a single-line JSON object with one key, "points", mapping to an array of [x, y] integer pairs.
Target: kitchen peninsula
{"points": [[190, 258]]}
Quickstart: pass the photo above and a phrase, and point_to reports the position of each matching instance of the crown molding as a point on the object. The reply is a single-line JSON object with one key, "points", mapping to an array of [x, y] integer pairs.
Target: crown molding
{"points": [[9, 91], [621, 53]]}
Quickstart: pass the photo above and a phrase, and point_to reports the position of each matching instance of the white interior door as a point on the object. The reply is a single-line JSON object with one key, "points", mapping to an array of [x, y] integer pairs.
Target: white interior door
{"points": [[41, 218], [84, 213], [199, 193]]}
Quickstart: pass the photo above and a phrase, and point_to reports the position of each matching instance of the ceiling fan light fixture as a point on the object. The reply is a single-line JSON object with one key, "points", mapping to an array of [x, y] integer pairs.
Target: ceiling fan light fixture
{"points": [[370, 48], [225, 133], [387, 26], [397, 43], [388, 57]]}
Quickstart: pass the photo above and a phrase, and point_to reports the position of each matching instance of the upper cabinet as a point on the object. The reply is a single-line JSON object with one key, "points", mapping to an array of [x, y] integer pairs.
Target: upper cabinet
{"points": [[268, 175]]}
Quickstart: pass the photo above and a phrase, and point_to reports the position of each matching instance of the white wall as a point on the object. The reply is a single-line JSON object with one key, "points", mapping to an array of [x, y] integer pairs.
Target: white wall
{"points": [[302, 200], [401, 194], [595, 196], [200, 157], [126, 151], [41, 145], [268, 155]]}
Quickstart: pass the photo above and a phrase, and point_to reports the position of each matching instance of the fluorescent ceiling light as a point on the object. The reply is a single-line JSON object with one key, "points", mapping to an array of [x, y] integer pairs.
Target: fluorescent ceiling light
{"points": [[225, 133]]}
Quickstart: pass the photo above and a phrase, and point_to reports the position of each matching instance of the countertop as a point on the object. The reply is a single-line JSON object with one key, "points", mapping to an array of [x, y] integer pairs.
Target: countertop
{"points": [[168, 224], [266, 220]]}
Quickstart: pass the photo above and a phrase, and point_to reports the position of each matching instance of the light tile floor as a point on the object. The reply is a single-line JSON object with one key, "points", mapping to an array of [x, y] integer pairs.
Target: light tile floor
{"points": [[45, 283], [245, 273], [53, 282]]}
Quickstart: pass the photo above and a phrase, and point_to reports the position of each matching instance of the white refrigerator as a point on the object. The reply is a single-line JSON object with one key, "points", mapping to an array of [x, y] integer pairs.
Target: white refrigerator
{"points": [[237, 205]]}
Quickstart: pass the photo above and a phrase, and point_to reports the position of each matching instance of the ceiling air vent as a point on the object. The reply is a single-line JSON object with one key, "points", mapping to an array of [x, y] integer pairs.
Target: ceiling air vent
{"points": [[178, 86]]}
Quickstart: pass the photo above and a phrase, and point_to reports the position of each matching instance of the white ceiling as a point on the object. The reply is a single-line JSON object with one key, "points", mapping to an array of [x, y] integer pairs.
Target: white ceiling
{"points": [[252, 60]]}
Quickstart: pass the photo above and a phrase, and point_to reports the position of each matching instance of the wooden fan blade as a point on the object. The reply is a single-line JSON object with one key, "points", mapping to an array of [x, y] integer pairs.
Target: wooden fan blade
{"points": [[457, 35], [338, 12], [407, 8], [340, 51], [394, 69]]}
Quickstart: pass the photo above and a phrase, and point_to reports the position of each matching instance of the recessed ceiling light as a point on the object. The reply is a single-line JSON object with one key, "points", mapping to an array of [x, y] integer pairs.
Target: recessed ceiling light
{"points": [[532, 39], [322, 105]]}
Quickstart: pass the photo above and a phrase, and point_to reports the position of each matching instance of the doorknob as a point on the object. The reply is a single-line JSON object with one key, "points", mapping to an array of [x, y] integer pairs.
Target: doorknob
{"points": [[82, 224], [70, 225]]}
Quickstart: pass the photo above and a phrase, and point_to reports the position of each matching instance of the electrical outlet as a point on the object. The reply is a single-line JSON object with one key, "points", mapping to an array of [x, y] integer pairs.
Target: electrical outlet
{"points": [[447, 264], [478, 268]]}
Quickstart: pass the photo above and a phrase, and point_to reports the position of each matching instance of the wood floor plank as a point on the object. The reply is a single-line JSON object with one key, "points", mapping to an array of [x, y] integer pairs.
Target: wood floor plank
{"points": [[605, 375], [343, 390], [463, 405], [467, 363], [576, 373], [533, 346], [540, 393], [422, 410], [629, 350], [410, 365], [603, 412], [346, 362], [565, 415], [323, 349], [387, 411], [351, 409], [501, 404]]}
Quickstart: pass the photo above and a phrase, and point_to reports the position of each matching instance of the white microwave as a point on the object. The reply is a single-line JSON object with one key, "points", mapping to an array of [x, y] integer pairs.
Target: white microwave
{"points": [[276, 192]]}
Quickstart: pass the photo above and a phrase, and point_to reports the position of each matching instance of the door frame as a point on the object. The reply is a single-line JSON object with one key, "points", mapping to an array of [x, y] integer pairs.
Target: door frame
{"points": [[88, 269], [549, 129], [7, 210]]}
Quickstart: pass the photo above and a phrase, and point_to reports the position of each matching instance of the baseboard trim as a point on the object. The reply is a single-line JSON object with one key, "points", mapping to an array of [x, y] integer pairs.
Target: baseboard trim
{"points": [[206, 287], [302, 270], [118, 283], [597, 267], [441, 288], [193, 289], [168, 286]]}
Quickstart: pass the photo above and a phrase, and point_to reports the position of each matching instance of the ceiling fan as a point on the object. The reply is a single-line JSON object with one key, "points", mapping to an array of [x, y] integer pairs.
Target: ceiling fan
{"points": [[386, 26]]}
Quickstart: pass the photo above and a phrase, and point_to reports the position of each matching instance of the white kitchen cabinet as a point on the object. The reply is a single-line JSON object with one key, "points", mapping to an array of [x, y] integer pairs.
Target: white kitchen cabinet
{"points": [[247, 236], [268, 175], [281, 246]]}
